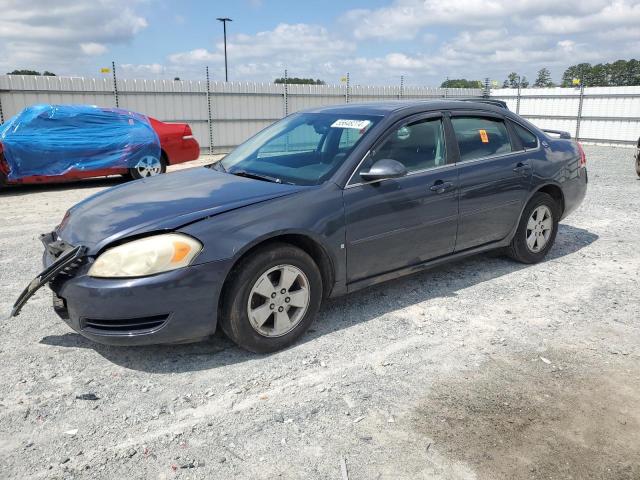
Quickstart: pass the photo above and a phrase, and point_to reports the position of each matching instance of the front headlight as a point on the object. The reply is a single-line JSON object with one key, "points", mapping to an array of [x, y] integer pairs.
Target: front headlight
{"points": [[146, 256]]}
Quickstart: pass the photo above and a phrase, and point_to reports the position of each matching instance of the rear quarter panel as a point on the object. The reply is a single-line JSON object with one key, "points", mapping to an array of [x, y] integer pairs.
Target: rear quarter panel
{"points": [[176, 148], [558, 163]]}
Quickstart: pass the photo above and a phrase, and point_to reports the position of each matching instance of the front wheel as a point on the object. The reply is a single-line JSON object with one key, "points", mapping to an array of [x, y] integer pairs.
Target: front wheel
{"points": [[537, 229], [271, 299], [148, 166], [638, 163]]}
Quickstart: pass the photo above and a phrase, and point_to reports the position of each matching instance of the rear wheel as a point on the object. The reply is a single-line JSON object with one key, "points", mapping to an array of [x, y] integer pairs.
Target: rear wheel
{"points": [[638, 162], [148, 166], [536, 231], [271, 299]]}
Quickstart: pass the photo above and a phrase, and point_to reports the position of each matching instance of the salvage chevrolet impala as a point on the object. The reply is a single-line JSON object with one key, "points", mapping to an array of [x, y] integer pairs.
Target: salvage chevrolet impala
{"points": [[319, 204]]}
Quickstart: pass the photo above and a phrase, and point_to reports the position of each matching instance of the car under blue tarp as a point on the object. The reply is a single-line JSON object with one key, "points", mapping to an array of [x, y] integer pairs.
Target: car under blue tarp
{"points": [[58, 139]]}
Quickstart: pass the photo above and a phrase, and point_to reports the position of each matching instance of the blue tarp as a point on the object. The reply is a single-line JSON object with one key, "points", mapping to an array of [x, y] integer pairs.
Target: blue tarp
{"points": [[57, 139]]}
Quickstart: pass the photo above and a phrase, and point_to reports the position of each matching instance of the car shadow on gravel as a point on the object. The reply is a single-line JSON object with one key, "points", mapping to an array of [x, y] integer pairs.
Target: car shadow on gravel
{"points": [[337, 314]]}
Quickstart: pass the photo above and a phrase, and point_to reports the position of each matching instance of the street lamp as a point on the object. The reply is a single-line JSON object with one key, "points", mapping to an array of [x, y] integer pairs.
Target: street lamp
{"points": [[224, 21]]}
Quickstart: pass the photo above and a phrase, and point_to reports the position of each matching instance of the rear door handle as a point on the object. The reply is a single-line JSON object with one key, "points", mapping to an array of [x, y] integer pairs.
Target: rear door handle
{"points": [[522, 168], [441, 187]]}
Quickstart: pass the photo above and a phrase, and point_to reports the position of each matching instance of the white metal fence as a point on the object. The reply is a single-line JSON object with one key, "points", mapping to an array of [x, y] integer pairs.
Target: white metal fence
{"points": [[225, 114], [220, 114], [605, 115]]}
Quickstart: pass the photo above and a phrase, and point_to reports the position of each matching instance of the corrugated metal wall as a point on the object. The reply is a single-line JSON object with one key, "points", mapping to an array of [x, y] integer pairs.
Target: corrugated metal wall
{"points": [[607, 115], [238, 109]]}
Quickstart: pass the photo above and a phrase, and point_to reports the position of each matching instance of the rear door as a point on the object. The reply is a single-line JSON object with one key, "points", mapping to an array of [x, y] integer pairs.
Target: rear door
{"points": [[396, 223], [494, 177]]}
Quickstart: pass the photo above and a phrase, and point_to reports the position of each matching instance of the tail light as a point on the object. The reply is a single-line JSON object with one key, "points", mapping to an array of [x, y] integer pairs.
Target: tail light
{"points": [[187, 134], [583, 157]]}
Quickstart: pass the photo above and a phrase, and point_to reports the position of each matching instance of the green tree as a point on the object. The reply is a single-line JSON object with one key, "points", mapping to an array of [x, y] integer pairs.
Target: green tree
{"points": [[300, 81], [513, 80], [633, 72], [581, 71], [461, 83], [598, 76], [544, 79], [24, 72], [46, 73], [618, 75]]}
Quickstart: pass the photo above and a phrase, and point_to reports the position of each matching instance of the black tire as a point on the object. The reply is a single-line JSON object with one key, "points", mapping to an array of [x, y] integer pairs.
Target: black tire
{"points": [[135, 175], [638, 163], [518, 250], [234, 318]]}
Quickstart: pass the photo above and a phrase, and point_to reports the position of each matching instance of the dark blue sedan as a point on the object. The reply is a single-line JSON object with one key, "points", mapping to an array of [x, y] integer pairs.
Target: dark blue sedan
{"points": [[319, 204]]}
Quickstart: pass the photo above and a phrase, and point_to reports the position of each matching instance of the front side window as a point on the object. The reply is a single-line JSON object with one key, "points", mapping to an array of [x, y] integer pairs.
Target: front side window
{"points": [[302, 149], [417, 145], [480, 137]]}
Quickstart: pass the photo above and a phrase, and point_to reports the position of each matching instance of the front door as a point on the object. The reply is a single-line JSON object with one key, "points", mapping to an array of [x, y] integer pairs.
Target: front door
{"points": [[395, 223]]}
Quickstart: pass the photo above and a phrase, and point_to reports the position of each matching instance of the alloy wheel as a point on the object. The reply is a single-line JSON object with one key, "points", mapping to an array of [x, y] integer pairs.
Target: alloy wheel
{"points": [[149, 166], [539, 228], [278, 300]]}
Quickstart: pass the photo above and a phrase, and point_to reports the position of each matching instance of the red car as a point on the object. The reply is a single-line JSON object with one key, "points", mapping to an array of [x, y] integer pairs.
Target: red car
{"points": [[177, 146]]}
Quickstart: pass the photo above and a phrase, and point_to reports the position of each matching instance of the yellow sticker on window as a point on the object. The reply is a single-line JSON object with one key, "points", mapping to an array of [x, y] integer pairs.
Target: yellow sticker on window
{"points": [[483, 136]]}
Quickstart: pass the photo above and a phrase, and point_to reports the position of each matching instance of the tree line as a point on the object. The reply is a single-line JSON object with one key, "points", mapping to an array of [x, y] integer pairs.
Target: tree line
{"points": [[299, 81], [615, 74], [46, 73]]}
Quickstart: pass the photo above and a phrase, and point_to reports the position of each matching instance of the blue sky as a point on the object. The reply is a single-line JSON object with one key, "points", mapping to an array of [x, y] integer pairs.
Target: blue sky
{"points": [[376, 41]]}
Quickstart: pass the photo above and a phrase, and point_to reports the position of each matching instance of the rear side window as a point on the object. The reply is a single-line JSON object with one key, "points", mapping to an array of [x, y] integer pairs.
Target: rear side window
{"points": [[528, 139], [480, 137]]}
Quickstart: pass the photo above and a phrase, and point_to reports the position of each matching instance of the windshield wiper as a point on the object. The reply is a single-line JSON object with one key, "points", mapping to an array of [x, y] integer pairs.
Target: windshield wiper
{"points": [[257, 176], [217, 166]]}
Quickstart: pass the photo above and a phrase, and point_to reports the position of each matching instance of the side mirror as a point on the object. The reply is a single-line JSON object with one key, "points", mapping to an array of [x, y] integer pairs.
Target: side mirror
{"points": [[384, 168]]}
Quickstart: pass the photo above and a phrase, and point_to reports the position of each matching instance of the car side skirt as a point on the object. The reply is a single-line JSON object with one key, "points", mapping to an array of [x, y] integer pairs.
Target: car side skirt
{"points": [[404, 271]]}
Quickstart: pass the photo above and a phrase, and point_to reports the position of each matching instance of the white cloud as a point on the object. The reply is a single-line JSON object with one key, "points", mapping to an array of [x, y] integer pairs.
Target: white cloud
{"points": [[403, 19], [143, 70], [306, 50], [54, 35], [93, 48], [479, 38]]}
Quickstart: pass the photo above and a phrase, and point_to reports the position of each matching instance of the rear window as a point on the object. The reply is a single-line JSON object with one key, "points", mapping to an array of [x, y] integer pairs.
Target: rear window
{"points": [[480, 137], [528, 139]]}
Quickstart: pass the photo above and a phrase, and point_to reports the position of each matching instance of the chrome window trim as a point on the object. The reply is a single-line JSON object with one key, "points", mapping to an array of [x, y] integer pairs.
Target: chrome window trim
{"points": [[415, 172], [490, 157]]}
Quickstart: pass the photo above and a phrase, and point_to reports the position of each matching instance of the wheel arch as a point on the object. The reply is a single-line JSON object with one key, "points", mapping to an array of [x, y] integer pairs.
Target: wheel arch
{"points": [[165, 155], [304, 241], [555, 192]]}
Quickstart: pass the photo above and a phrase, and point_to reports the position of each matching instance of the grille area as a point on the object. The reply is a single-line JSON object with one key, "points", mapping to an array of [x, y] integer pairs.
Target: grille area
{"points": [[126, 326], [67, 273]]}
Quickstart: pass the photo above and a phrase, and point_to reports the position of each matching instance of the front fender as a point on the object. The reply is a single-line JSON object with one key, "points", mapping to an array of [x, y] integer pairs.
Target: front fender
{"points": [[316, 214]]}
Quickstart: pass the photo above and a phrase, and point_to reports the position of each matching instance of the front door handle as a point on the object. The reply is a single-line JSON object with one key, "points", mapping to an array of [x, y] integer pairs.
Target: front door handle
{"points": [[441, 187], [522, 169]]}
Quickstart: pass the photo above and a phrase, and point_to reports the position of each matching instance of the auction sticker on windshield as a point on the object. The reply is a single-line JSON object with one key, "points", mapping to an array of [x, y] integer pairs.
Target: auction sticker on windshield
{"points": [[355, 124]]}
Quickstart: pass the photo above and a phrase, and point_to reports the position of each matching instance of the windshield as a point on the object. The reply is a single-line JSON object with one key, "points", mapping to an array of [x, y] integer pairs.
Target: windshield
{"points": [[302, 149]]}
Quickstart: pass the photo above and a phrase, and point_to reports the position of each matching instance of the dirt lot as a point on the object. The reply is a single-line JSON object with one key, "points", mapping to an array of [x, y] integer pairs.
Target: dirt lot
{"points": [[483, 369]]}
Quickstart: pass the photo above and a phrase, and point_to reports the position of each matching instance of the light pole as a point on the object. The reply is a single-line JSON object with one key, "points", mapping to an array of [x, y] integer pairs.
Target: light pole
{"points": [[224, 21]]}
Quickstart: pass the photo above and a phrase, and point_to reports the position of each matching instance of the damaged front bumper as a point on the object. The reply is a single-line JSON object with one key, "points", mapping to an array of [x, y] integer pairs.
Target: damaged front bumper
{"points": [[66, 261], [175, 306]]}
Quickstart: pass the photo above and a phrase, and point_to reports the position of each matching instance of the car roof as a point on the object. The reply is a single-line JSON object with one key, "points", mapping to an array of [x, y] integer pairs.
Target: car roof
{"points": [[386, 108]]}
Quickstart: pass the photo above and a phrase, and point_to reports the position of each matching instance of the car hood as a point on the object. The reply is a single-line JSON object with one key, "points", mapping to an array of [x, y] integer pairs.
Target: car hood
{"points": [[161, 203]]}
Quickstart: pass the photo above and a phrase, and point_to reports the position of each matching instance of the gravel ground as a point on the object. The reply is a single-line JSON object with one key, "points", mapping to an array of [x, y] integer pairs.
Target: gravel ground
{"points": [[482, 369]]}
